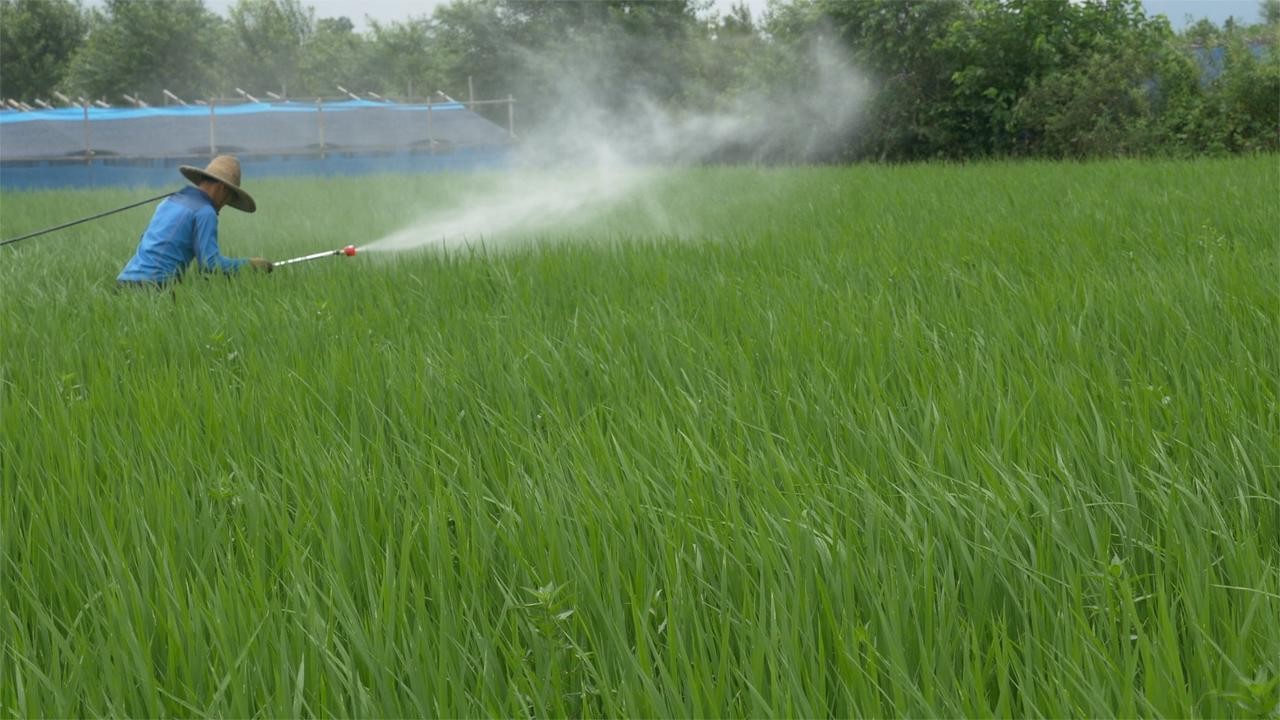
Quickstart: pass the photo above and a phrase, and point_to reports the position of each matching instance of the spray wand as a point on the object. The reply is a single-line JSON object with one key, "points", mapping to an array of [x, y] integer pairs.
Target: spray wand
{"points": [[83, 220], [348, 251]]}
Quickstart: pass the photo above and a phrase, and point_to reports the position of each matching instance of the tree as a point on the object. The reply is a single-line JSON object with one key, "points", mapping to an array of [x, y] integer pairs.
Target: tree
{"points": [[269, 36], [1269, 10], [788, 21], [1115, 102], [1233, 106], [145, 47], [1202, 32], [1248, 90], [37, 40], [1011, 46], [402, 52], [903, 44], [474, 40], [610, 52], [732, 58], [334, 55]]}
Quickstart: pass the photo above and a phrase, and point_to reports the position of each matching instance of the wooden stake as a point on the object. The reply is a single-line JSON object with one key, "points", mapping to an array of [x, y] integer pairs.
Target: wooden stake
{"points": [[431, 137], [88, 148]]}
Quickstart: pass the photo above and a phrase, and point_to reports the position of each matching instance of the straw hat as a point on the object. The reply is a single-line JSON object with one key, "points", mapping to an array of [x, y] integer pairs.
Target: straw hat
{"points": [[226, 170]]}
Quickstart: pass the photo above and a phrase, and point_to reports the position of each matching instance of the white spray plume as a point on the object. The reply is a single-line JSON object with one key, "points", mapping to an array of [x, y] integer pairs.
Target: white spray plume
{"points": [[588, 157]]}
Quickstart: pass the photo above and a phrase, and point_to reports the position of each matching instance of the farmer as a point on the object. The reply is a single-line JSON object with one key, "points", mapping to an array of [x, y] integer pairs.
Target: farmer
{"points": [[185, 227]]}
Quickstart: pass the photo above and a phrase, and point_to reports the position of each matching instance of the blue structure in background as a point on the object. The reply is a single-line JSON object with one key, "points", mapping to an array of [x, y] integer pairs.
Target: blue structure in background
{"points": [[1213, 60], [106, 172], [97, 147]]}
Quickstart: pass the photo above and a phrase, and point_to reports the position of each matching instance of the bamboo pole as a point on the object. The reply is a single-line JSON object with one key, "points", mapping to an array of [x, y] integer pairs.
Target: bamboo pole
{"points": [[88, 147], [320, 123], [431, 137]]}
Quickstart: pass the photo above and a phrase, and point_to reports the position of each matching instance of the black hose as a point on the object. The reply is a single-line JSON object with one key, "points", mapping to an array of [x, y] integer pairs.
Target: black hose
{"points": [[82, 220]]}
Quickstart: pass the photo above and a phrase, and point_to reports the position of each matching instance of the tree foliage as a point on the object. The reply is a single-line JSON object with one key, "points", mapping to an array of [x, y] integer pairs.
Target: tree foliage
{"points": [[984, 78], [403, 53], [904, 45], [268, 38], [334, 55], [37, 40], [144, 47], [1270, 12], [614, 50]]}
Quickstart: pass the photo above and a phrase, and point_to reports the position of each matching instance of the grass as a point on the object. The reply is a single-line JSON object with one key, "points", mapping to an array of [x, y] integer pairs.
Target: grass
{"points": [[928, 441]]}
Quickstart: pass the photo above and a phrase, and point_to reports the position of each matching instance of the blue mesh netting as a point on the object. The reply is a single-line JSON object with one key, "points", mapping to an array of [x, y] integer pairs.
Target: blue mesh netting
{"points": [[284, 127]]}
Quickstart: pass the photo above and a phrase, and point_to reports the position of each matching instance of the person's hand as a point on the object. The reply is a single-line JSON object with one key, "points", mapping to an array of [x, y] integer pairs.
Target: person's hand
{"points": [[261, 264]]}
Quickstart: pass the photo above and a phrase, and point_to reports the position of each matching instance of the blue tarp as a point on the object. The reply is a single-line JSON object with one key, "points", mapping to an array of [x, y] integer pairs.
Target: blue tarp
{"points": [[142, 146], [39, 175], [202, 111]]}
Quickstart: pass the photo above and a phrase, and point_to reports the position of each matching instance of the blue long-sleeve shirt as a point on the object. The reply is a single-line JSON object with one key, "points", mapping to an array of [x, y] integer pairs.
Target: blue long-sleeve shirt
{"points": [[184, 227]]}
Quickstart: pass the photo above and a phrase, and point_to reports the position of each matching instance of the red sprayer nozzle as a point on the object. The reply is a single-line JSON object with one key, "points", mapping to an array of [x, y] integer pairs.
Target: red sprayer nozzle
{"points": [[348, 251]]}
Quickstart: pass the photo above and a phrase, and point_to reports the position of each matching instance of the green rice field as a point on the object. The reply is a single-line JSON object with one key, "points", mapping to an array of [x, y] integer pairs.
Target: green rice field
{"points": [[981, 440]]}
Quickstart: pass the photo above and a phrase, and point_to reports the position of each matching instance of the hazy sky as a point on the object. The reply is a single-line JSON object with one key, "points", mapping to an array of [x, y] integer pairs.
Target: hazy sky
{"points": [[386, 10]]}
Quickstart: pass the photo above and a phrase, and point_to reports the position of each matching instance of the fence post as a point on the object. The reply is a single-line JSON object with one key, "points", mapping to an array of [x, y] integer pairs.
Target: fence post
{"points": [[213, 142], [88, 148], [431, 135], [320, 124], [511, 116]]}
